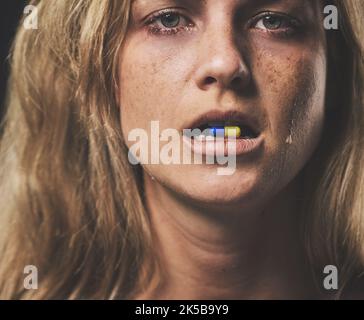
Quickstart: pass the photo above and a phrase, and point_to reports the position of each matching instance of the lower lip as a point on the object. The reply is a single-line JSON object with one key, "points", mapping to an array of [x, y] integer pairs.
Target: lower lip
{"points": [[224, 147]]}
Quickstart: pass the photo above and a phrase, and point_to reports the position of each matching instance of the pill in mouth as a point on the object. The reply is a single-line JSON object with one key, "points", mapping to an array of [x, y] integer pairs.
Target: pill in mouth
{"points": [[226, 131], [210, 131]]}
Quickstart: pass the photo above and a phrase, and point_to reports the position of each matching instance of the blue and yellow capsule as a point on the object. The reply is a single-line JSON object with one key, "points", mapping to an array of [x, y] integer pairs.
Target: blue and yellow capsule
{"points": [[227, 131]]}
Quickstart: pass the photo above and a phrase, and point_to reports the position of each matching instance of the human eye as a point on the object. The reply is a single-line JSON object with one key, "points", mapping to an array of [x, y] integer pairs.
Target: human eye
{"points": [[280, 24], [168, 22]]}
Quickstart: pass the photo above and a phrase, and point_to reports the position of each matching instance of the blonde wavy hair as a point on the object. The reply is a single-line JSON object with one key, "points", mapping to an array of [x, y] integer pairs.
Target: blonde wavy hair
{"points": [[71, 203]]}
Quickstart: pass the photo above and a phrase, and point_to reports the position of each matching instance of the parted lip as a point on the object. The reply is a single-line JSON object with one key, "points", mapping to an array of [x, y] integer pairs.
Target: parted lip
{"points": [[234, 117]]}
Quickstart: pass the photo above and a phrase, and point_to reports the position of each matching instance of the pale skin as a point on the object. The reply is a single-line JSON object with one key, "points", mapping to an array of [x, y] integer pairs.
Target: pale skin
{"points": [[230, 237]]}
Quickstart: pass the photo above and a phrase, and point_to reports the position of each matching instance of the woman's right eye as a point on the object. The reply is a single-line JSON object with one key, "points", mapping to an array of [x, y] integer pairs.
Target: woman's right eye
{"points": [[168, 22]]}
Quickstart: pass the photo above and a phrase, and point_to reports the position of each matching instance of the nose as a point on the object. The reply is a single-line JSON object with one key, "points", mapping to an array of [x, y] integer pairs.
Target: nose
{"points": [[221, 63]]}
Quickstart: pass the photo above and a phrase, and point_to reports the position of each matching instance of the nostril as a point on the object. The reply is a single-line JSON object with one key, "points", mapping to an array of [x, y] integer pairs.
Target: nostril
{"points": [[210, 80]]}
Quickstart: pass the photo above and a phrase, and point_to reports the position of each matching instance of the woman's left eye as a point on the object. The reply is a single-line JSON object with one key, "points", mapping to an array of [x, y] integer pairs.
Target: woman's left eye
{"points": [[274, 22]]}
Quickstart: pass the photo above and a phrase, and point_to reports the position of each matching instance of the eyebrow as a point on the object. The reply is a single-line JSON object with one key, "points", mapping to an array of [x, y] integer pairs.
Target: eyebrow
{"points": [[182, 1], [205, 1], [254, 3], [246, 4]]}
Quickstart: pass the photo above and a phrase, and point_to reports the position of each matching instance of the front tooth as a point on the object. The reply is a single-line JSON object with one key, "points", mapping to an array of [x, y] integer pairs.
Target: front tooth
{"points": [[202, 137]]}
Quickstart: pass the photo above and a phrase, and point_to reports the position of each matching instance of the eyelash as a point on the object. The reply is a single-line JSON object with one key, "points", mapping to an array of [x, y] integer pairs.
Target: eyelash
{"points": [[293, 24]]}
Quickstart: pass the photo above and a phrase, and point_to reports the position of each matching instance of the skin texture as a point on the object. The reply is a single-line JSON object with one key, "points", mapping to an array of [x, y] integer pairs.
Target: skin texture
{"points": [[236, 236]]}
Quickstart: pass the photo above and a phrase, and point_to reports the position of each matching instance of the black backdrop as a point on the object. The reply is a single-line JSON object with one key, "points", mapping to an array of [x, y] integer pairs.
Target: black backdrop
{"points": [[10, 13]]}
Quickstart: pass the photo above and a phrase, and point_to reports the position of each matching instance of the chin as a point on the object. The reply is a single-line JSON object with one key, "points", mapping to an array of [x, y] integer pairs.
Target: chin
{"points": [[236, 189]]}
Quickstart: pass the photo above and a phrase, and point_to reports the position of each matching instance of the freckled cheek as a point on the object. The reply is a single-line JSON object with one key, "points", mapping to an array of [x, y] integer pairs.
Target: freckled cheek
{"points": [[152, 87], [145, 91], [284, 84]]}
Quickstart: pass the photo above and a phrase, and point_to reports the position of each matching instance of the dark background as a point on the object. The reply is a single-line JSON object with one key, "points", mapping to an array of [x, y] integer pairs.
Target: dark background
{"points": [[10, 14]]}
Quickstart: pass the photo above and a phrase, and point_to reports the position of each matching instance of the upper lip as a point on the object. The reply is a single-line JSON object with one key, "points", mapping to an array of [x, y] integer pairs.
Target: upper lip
{"points": [[233, 116]]}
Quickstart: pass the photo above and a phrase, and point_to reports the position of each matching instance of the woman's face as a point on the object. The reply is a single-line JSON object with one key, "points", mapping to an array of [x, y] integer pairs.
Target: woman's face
{"points": [[262, 60]]}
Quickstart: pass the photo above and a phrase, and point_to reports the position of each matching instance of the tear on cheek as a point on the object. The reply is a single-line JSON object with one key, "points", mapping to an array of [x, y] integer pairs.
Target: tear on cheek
{"points": [[307, 110]]}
